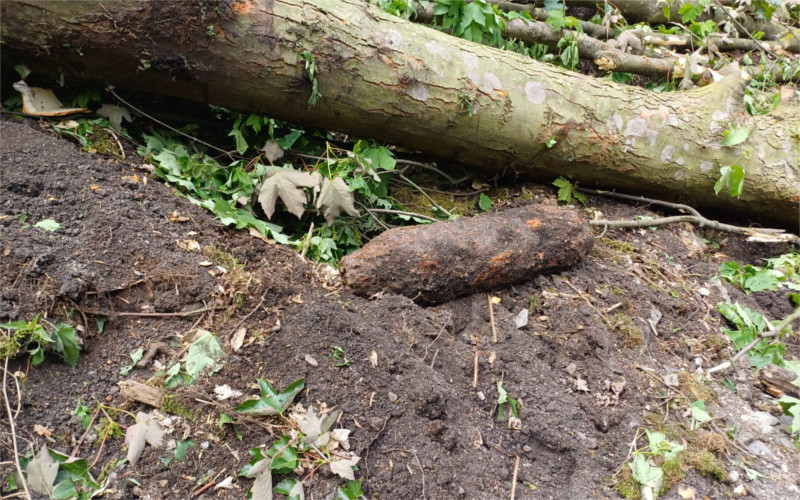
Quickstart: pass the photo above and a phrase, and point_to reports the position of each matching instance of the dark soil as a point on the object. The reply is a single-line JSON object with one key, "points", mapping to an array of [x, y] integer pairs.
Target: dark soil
{"points": [[421, 428]]}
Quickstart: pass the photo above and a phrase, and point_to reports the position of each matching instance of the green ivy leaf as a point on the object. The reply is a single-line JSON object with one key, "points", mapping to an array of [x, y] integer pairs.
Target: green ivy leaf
{"points": [[732, 177], [351, 491], [699, 413], [284, 456], [271, 402], [66, 341], [48, 225], [485, 203], [380, 158], [292, 488], [734, 136], [205, 352], [181, 447], [567, 191], [644, 473]]}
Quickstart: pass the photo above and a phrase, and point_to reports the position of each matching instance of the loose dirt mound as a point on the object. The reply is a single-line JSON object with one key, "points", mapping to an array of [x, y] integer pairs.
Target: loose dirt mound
{"points": [[585, 370]]}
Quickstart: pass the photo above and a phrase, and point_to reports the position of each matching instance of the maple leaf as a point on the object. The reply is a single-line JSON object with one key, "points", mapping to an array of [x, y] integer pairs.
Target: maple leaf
{"points": [[336, 196], [287, 184], [262, 486], [42, 471], [344, 467], [315, 428], [272, 150], [115, 115], [146, 430]]}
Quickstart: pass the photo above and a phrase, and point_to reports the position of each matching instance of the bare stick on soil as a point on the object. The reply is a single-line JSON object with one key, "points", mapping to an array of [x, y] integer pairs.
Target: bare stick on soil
{"points": [[491, 319], [155, 314], [763, 235], [256, 308], [475, 371], [12, 428], [419, 464], [514, 478], [583, 296]]}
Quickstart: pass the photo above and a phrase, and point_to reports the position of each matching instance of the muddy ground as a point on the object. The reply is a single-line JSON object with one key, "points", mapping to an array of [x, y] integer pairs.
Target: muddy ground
{"points": [[126, 252]]}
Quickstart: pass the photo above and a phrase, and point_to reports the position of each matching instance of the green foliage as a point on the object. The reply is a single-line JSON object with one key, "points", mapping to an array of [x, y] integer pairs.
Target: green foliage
{"points": [[569, 56], [779, 272], [69, 477], [271, 402], [504, 399], [649, 464], [48, 225], [248, 193], [484, 203], [466, 102], [763, 9], [351, 491], [699, 413], [568, 190], [559, 21], [290, 487], [399, 8], [33, 338], [181, 447], [691, 11], [749, 326], [311, 71], [553, 5], [205, 354], [731, 177], [340, 356], [791, 406], [84, 413], [758, 103], [734, 136], [475, 21]]}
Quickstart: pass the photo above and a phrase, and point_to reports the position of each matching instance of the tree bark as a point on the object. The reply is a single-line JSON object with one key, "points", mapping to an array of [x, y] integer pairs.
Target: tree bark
{"points": [[383, 77], [436, 263]]}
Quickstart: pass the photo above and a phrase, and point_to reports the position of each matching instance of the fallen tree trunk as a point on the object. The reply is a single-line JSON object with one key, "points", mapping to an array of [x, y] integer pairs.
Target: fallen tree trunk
{"points": [[383, 77], [438, 262]]}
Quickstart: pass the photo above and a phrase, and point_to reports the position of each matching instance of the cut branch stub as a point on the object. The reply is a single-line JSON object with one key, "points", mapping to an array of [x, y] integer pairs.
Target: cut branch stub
{"points": [[436, 263]]}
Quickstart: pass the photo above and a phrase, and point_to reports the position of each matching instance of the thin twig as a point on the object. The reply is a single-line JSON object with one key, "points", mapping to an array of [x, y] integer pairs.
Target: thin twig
{"points": [[374, 217], [13, 430], [85, 433], [256, 308], [475, 371], [426, 166], [441, 330], [514, 478], [155, 314], [100, 451], [583, 296], [754, 234], [123, 101], [491, 319], [400, 212], [772, 332], [202, 489], [308, 240], [426, 195], [121, 150], [418, 464]]}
